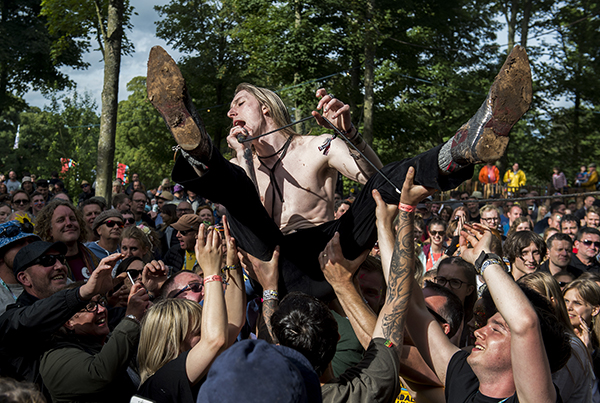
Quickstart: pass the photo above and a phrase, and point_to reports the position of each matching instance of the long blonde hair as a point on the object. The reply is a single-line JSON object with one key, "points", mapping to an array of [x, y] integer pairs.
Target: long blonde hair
{"points": [[545, 285], [164, 328], [589, 291]]}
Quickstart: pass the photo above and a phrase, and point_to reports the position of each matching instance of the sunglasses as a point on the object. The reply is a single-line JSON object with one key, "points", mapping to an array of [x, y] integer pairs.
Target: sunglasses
{"points": [[130, 220], [587, 242], [111, 224], [134, 273], [433, 233], [189, 231], [14, 230], [49, 260], [455, 283], [21, 201], [194, 287], [92, 306]]}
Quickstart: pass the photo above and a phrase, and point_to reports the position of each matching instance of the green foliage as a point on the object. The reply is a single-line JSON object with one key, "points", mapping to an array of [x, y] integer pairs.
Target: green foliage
{"points": [[143, 140], [68, 128], [28, 61]]}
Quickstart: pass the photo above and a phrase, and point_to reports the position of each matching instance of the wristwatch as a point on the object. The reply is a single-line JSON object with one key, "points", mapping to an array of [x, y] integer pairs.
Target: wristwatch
{"points": [[486, 259]]}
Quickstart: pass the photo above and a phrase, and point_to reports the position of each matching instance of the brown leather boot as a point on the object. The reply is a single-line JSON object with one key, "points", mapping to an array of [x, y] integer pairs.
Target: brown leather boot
{"points": [[168, 94], [484, 137]]}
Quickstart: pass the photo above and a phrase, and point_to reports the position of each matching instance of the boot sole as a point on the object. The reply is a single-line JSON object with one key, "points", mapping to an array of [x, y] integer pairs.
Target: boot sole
{"points": [[510, 97], [167, 93]]}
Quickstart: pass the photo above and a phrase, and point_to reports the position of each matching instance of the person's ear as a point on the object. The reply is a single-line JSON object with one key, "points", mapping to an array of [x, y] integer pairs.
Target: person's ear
{"points": [[595, 310], [470, 289], [265, 111], [69, 325], [23, 278], [446, 328]]}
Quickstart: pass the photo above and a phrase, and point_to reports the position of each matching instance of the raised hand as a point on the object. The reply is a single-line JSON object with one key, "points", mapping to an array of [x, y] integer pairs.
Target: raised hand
{"points": [[266, 273], [208, 250], [154, 276], [138, 301], [412, 194], [335, 111], [336, 268], [101, 281], [480, 238]]}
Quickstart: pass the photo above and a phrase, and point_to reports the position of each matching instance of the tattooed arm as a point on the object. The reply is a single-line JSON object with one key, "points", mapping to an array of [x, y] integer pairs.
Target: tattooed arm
{"points": [[391, 320], [267, 274]]}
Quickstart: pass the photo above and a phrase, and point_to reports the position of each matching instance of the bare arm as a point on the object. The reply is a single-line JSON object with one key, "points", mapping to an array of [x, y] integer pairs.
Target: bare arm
{"points": [[392, 318], [235, 294], [338, 272], [244, 158], [213, 329], [342, 157], [267, 274], [385, 231], [531, 370]]}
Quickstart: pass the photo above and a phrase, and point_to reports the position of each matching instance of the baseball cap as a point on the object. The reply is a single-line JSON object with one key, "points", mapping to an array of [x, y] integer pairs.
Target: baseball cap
{"points": [[13, 231], [178, 188], [26, 179], [279, 374], [187, 222], [477, 195], [29, 253]]}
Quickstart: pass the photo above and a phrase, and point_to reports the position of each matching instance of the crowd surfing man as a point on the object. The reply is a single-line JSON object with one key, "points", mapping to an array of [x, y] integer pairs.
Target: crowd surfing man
{"points": [[295, 175]]}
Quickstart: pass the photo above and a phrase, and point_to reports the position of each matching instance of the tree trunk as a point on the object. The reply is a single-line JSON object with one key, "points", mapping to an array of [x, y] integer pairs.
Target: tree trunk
{"points": [[110, 92], [525, 22], [511, 21], [369, 78]]}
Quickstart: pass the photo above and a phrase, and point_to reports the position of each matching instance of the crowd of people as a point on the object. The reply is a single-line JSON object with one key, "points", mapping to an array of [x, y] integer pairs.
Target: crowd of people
{"points": [[251, 280]]}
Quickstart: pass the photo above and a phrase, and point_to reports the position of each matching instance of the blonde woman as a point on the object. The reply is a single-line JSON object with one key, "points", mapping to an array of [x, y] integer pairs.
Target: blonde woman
{"points": [[575, 379], [179, 339]]}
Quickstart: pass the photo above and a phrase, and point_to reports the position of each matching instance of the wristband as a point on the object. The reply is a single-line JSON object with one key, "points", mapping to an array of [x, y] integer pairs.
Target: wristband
{"points": [[407, 207], [487, 259], [133, 318], [214, 277], [270, 294]]}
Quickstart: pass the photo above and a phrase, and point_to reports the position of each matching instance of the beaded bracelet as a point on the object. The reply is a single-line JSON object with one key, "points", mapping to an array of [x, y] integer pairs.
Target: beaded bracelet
{"points": [[214, 277], [407, 207], [270, 294]]}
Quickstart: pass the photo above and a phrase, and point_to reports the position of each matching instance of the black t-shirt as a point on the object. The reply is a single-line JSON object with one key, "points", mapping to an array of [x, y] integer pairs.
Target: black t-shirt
{"points": [[170, 384], [462, 386]]}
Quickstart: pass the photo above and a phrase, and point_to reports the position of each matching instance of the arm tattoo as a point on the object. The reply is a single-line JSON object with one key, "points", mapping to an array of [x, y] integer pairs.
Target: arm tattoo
{"points": [[249, 167], [265, 330], [399, 285]]}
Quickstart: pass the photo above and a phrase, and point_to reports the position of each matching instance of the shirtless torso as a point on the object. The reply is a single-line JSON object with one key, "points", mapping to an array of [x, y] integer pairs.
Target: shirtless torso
{"points": [[305, 176]]}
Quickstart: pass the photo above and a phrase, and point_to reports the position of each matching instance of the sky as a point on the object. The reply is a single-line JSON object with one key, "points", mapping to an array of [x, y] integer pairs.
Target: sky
{"points": [[143, 36]]}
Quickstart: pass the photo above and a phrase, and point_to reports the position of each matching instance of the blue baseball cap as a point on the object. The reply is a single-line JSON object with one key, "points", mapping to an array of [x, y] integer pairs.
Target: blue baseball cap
{"points": [[13, 231]]}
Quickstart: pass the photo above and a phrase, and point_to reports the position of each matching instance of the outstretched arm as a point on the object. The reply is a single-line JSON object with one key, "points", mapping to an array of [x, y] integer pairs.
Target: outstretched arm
{"points": [[267, 274], [530, 367], [213, 330], [235, 294], [392, 318], [342, 157], [338, 272]]}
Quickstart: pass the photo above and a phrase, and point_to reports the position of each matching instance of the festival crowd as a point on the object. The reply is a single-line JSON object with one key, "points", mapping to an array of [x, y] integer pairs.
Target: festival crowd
{"points": [[252, 280]]}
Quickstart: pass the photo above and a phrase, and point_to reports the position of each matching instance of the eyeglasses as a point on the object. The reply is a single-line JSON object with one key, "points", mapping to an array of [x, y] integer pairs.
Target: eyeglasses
{"points": [[455, 283], [185, 210], [130, 220], [14, 230], [194, 287], [92, 306], [83, 186], [111, 223], [433, 233], [588, 242], [21, 201], [189, 231], [49, 260]]}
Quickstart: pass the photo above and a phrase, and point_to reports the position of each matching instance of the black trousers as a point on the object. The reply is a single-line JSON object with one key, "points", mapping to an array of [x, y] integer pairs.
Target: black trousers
{"points": [[256, 233]]}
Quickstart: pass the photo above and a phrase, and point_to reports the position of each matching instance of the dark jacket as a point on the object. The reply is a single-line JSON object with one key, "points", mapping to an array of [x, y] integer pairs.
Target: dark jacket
{"points": [[26, 329], [79, 368], [175, 258]]}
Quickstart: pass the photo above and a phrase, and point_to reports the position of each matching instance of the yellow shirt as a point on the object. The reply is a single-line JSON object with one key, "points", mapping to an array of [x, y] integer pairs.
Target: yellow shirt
{"points": [[190, 261]]}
